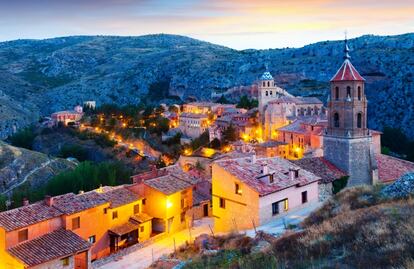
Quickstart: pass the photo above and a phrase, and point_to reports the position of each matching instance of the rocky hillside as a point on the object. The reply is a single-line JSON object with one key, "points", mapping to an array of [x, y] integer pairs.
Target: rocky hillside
{"points": [[18, 166], [41, 76]]}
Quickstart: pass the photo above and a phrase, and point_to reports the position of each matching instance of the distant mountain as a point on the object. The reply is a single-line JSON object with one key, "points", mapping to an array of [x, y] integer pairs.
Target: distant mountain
{"points": [[38, 77]]}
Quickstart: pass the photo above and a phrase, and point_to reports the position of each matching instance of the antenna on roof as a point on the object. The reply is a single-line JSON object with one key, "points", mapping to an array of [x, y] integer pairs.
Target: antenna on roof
{"points": [[346, 49]]}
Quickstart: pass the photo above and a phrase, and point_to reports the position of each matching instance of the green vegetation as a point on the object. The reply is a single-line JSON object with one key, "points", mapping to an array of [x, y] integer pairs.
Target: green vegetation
{"points": [[247, 103], [339, 184], [86, 176], [23, 138], [74, 151], [229, 135], [394, 140], [201, 141], [3, 203]]}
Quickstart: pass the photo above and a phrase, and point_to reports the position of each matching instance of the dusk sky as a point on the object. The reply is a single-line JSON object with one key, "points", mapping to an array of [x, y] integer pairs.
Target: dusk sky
{"points": [[237, 24]]}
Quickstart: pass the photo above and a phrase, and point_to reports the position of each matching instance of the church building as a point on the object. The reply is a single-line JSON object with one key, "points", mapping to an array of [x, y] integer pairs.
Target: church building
{"points": [[348, 141]]}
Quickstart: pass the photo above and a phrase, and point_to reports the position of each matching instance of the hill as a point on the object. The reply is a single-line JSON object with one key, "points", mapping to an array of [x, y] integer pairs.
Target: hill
{"points": [[42, 76], [19, 166]]}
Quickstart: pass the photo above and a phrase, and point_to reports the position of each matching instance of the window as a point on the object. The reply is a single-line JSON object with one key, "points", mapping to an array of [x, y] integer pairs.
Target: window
{"points": [[275, 208], [115, 215], [359, 120], [268, 84], [304, 197], [92, 239], [222, 203], [270, 92], [336, 120], [65, 261], [237, 188], [348, 91], [264, 84], [359, 93], [23, 235], [285, 205], [75, 223], [182, 217], [141, 229], [271, 179], [136, 209], [296, 173], [267, 93], [144, 201], [336, 93], [105, 210]]}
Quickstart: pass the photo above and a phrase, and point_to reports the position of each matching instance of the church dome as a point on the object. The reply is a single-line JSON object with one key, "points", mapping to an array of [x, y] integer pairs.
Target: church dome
{"points": [[266, 76]]}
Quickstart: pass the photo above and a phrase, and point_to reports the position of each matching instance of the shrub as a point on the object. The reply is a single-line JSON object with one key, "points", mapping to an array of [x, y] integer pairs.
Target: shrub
{"points": [[23, 138], [74, 151]]}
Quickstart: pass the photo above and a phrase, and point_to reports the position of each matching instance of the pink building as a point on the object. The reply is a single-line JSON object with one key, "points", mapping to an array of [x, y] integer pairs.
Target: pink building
{"points": [[68, 116]]}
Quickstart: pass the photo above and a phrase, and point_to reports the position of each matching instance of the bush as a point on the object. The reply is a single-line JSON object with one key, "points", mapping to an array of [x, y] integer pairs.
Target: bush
{"points": [[23, 138], [74, 151]]}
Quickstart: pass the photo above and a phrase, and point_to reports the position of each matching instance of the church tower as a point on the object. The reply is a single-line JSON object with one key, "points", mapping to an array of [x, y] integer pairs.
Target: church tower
{"points": [[267, 91], [347, 140]]}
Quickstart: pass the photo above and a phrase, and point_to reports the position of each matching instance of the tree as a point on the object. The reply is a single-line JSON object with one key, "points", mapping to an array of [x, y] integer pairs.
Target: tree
{"points": [[215, 143], [223, 100], [74, 151], [23, 138]]}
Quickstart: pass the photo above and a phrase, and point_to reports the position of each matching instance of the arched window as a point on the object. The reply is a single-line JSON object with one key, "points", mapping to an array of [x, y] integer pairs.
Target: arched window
{"points": [[359, 93], [268, 84], [336, 120], [348, 91], [264, 84], [359, 120], [336, 93], [267, 93]]}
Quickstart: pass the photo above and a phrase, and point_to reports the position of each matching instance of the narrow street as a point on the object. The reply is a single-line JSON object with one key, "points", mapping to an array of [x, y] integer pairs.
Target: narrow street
{"points": [[142, 258]]}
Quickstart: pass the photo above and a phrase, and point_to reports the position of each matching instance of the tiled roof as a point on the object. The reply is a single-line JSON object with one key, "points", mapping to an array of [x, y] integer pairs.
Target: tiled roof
{"points": [[321, 167], [347, 72], [266, 76], [71, 203], [297, 100], [271, 144], [119, 196], [167, 184], [294, 127], [125, 228], [191, 176], [55, 245], [193, 115], [391, 168], [199, 197], [27, 215], [248, 172], [141, 218]]}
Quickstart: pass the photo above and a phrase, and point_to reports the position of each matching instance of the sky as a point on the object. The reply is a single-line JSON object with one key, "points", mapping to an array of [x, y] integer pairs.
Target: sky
{"points": [[239, 24]]}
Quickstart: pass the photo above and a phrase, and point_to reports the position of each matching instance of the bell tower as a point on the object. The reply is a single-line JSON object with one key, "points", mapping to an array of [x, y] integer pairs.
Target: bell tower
{"points": [[347, 140]]}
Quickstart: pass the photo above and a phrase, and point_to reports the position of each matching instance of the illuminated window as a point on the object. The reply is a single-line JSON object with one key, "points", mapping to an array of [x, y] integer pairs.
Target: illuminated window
{"points": [[23, 235], [271, 179], [237, 188], [142, 229], [286, 205], [75, 223], [65, 261], [222, 203], [115, 215]]}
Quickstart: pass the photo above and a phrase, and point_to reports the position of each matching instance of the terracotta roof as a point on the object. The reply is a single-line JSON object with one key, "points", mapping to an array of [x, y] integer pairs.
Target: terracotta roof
{"points": [[141, 218], [248, 172], [391, 168], [271, 144], [71, 203], [119, 196], [192, 176], [55, 245], [167, 184], [125, 228], [321, 167], [27, 215], [294, 127], [193, 115], [199, 197], [347, 72]]}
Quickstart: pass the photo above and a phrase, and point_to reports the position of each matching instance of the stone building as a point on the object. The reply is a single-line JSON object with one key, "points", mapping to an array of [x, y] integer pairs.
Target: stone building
{"points": [[348, 141], [192, 124]]}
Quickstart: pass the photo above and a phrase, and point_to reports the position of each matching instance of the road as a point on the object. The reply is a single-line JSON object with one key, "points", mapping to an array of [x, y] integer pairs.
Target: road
{"points": [[143, 258]]}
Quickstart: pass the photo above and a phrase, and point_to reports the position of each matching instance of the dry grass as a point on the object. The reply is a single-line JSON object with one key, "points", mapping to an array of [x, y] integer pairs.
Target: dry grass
{"points": [[355, 228]]}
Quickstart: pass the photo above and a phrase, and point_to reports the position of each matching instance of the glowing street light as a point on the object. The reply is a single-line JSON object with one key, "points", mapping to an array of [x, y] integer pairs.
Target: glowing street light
{"points": [[169, 204]]}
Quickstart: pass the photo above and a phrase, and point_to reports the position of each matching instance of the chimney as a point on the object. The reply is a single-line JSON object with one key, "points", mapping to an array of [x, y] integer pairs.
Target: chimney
{"points": [[293, 173], [25, 201], [49, 200], [265, 169], [254, 157]]}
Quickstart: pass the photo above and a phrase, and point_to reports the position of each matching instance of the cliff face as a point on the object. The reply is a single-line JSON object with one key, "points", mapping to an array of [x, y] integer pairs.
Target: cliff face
{"points": [[39, 77]]}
